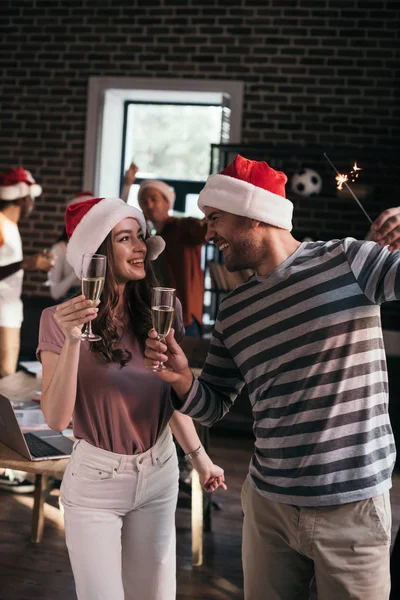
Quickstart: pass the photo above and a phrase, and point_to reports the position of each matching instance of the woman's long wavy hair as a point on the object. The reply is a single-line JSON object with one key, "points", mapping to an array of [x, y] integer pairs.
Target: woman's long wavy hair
{"points": [[137, 304]]}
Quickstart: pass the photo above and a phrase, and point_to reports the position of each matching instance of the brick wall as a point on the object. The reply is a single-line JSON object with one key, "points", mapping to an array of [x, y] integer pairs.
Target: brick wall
{"points": [[315, 72]]}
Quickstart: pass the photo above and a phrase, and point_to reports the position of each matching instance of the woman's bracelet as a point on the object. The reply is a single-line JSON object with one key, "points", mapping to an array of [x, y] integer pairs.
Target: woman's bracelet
{"points": [[194, 453]]}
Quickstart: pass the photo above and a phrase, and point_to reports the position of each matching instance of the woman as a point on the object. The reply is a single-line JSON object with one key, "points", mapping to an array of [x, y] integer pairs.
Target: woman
{"points": [[62, 281], [120, 487]]}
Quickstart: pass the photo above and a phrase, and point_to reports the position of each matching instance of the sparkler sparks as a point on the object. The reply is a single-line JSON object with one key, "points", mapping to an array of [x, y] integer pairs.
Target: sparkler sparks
{"points": [[342, 181], [354, 173]]}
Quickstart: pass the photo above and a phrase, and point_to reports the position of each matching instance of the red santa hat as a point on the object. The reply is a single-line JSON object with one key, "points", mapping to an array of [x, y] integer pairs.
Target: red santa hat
{"points": [[17, 183], [249, 188], [80, 197], [162, 187], [89, 222]]}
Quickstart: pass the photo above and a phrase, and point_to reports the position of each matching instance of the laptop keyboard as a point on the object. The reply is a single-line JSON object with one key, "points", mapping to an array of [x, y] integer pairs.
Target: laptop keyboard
{"points": [[38, 448]]}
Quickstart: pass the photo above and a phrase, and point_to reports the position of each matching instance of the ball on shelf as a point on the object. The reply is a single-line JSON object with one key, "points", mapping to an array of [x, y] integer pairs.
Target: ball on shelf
{"points": [[306, 182]]}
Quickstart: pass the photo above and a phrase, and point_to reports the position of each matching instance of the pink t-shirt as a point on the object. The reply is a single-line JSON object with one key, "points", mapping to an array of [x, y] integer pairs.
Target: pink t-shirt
{"points": [[122, 410]]}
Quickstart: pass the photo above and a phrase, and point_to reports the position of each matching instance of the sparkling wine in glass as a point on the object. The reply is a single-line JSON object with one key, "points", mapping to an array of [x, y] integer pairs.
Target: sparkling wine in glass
{"points": [[162, 314], [93, 272]]}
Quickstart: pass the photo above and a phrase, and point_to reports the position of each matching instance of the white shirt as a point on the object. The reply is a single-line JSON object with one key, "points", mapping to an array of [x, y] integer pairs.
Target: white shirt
{"points": [[11, 308], [62, 276]]}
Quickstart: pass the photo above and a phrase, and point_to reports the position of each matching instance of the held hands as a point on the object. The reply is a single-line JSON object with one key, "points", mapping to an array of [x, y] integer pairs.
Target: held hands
{"points": [[211, 475], [386, 228], [73, 314], [213, 479]]}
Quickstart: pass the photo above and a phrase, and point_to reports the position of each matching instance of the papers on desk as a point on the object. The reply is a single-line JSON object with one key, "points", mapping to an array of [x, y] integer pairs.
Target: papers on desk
{"points": [[32, 366], [30, 420]]}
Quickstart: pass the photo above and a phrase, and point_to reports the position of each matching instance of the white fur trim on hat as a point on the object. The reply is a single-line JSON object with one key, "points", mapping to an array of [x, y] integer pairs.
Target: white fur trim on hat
{"points": [[97, 223], [161, 187], [19, 190], [247, 200]]}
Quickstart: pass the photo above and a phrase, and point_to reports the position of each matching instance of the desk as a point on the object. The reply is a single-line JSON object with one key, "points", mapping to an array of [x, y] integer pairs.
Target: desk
{"points": [[20, 388]]}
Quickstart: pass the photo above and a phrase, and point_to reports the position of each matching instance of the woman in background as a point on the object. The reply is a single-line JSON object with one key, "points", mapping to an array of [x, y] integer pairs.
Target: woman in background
{"points": [[62, 281]]}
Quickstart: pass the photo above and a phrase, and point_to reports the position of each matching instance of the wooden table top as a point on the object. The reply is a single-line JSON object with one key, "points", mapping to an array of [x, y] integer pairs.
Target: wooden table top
{"points": [[20, 388]]}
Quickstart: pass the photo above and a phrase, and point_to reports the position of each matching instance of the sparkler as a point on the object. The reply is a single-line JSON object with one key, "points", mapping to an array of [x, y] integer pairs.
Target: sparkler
{"points": [[342, 181]]}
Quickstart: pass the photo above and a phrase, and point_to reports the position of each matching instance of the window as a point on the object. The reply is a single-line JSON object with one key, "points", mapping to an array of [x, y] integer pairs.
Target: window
{"points": [[165, 125], [171, 142]]}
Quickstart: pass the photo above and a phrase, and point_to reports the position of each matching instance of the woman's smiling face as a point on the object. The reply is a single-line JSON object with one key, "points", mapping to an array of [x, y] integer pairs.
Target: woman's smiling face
{"points": [[129, 250]]}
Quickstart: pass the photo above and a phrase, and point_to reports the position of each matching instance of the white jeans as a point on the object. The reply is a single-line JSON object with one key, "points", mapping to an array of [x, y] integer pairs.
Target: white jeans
{"points": [[119, 516]]}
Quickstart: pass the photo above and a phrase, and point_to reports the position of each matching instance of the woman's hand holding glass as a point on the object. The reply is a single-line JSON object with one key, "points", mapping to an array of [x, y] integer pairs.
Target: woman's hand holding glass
{"points": [[73, 314]]}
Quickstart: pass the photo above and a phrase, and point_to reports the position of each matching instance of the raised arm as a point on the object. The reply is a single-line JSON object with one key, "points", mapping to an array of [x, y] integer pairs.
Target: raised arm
{"points": [[59, 382], [376, 269], [130, 177]]}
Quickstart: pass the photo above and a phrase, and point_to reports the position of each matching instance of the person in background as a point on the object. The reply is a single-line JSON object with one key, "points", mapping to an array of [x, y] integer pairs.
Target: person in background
{"points": [[17, 192], [63, 282], [304, 335], [119, 491], [180, 265]]}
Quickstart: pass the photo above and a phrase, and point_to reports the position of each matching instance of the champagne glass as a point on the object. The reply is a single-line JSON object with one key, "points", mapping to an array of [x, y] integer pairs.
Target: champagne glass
{"points": [[162, 314], [93, 272]]}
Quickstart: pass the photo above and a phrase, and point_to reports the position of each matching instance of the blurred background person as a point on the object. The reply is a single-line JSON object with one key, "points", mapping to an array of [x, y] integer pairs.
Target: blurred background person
{"points": [[18, 190], [62, 281], [180, 265]]}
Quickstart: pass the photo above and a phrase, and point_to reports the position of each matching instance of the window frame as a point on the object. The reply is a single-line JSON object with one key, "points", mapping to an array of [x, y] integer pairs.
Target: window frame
{"points": [[98, 86]]}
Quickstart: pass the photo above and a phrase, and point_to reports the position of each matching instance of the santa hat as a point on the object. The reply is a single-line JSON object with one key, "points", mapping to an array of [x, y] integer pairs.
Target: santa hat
{"points": [[89, 222], [162, 187], [18, 183], [80, 197], [249, 188]]}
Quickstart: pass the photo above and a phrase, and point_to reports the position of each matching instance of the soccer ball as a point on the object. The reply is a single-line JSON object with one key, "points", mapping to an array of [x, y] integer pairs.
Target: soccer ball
{"points": [[306, 182]]}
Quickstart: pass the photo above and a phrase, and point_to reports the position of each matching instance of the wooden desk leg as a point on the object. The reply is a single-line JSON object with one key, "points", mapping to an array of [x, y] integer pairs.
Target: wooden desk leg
{"points": [[38, 508], [197, 520]]}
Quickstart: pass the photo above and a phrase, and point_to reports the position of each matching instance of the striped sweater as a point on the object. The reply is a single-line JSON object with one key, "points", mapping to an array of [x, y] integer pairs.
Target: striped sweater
{"points": [[306, 340]]}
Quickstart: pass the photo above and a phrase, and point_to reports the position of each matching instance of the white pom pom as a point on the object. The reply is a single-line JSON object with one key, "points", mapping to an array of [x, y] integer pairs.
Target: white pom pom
{"points": [[155, 245]]}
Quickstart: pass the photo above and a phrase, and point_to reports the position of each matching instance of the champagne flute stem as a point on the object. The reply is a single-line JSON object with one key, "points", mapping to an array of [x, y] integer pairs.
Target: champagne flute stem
{"points": [[161, 338], [89, 328]]}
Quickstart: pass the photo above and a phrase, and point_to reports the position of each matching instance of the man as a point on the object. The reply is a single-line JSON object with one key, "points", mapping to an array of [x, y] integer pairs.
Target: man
{"points": [[304, 335], [180, 264], [17, 192]]}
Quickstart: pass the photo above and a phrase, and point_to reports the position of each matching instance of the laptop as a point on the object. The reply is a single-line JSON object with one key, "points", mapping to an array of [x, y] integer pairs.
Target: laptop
{"points": [[39, 445]]}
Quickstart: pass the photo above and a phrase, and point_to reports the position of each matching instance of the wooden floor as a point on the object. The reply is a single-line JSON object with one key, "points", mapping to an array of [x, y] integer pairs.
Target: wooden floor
{"points": [[29, 572]]}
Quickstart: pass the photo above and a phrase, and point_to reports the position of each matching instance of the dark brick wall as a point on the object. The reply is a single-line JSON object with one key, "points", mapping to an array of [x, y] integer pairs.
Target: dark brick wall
{"points": [[315, 72]]}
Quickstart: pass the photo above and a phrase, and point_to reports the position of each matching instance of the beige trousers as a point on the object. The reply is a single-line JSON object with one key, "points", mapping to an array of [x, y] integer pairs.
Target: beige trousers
{"points": [[9, 350], [345, 547]]}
